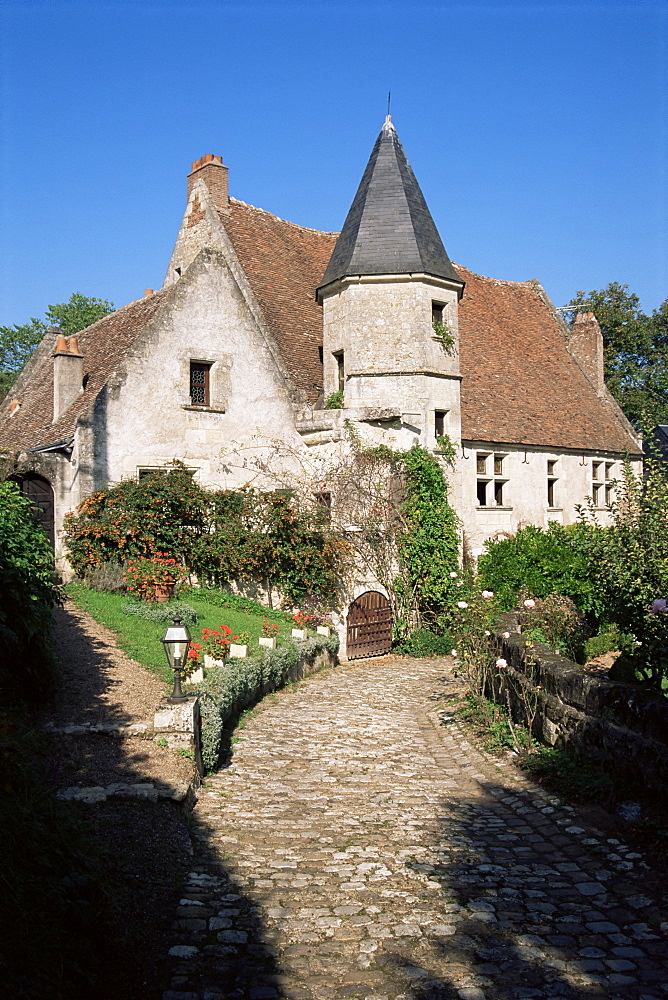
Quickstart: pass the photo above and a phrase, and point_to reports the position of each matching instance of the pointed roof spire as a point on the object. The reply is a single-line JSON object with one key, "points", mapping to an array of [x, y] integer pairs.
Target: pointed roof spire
{"points": [[389, 229]]}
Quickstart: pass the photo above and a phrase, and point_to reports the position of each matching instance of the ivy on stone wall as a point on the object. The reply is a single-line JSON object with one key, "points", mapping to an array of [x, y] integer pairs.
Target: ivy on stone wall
{"points": [[429, 544]]}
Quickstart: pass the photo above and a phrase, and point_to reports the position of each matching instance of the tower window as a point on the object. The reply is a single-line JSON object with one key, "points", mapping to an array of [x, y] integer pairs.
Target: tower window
{"points": [[199, 383], [340, 372], [439, 422], [437, 314]]}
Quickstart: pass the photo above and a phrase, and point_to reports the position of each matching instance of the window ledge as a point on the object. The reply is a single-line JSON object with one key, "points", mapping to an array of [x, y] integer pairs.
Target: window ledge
{"points": [[555, 510], [202, 409], [494, 507]]}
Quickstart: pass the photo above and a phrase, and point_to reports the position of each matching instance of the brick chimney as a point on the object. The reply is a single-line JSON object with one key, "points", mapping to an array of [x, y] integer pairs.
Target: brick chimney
{"points": [[211, 170], [67, 372], [585, 343]]}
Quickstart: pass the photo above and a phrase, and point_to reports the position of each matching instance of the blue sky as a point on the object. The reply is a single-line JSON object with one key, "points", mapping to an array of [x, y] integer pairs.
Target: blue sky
{"points": [[537, 130]]}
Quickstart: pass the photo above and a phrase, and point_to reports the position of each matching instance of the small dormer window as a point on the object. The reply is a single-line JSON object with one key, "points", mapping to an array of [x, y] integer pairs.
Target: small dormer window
{"points": [[199, 383]]}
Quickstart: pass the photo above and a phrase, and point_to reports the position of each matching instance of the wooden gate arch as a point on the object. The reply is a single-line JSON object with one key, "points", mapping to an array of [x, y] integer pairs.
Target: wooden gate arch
{"points": [[369, 622], [40, 493]]}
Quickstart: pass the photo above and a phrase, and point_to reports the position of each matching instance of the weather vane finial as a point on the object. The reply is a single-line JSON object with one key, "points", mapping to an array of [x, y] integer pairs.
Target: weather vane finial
{"points": [[388, 104]]}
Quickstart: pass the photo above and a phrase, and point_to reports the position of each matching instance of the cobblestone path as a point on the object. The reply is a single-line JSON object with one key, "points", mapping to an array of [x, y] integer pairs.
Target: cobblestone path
{"points": [[358, 846]]}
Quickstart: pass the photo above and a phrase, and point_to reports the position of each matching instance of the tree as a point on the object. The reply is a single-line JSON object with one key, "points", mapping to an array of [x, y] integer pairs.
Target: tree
{"points": [[19, 341], [635, 351]]}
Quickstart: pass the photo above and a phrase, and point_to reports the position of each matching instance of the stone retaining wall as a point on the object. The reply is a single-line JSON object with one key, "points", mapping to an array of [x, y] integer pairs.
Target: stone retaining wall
{"points": [[623, 727]]}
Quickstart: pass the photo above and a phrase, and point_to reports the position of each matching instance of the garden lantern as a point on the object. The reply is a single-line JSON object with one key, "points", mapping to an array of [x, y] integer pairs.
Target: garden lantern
{"points": [[177, 642]]}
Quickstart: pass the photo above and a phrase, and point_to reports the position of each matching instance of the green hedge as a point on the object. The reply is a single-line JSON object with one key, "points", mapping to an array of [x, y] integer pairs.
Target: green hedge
{"points": [[240, 683], [28, 592]]}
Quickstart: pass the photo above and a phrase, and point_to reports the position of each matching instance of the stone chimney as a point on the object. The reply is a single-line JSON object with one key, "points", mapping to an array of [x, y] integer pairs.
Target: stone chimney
{"points": [[585, 343], [210, 169], [67, 372]]}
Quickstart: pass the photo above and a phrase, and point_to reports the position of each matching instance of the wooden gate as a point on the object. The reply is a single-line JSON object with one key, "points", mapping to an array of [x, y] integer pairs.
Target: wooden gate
{"points": [[40, 493], [369, 626]]}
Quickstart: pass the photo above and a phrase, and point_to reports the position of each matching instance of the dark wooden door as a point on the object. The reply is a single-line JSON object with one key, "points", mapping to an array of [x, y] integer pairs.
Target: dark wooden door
{"points": [[40, 493], [369, 626]]}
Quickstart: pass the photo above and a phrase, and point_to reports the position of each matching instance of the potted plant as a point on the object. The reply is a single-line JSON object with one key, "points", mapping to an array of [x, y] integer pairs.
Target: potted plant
{"points": [[239, 648], [269, 634], [153, 578], [216, 645]]}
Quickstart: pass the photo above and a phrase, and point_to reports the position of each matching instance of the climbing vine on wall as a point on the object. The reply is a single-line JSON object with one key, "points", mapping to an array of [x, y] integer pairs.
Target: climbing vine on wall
{"points": [[429, 544]]}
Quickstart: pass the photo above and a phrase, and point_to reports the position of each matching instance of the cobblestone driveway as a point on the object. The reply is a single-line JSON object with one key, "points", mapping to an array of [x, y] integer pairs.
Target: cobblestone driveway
{"points": [[359, 846]]}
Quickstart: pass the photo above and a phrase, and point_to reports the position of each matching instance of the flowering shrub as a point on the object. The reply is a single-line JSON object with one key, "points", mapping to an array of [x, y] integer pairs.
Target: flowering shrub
{"points": [[142, 576], [302, 620], [216, 642], [555, 621], [269, 631], [470, 623], [194, 660]]}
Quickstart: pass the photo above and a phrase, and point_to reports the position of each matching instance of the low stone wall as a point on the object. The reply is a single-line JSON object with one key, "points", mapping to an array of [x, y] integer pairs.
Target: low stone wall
{"points": [[623, 727]]}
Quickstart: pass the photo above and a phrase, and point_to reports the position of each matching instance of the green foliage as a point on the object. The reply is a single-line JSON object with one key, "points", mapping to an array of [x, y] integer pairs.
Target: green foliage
{"points": [[27, 594], [425, 642], [489, 721], [551, 561], [429, 545], [445, 335], [239, 684], [447, 450], [555, 621], [226, 599], [269, 538], [568, 773], [163, 613], [139, 636], [635, 351], [77, 313], [334, 401], [19, 341], [229, 535], [630, 563], [163, 512], [610, 638]]}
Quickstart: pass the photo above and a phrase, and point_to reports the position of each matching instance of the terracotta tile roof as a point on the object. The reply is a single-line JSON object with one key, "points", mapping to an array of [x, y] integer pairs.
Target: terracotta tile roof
{"points": [[103, 345], [520, 385], [284, 264]]}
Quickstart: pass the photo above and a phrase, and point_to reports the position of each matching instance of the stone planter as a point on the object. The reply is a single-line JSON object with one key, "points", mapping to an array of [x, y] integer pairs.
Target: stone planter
{"points": [[196, 676], [299, 633], [238, 651], [266, 641], [210, 662], [323, 630]]}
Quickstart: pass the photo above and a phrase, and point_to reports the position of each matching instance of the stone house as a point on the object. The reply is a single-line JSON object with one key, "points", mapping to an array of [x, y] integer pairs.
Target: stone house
{"points": [[260, 320]]}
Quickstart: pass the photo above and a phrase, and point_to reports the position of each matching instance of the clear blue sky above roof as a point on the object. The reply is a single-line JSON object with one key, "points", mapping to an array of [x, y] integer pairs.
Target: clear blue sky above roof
{"points": [[537, 132]]}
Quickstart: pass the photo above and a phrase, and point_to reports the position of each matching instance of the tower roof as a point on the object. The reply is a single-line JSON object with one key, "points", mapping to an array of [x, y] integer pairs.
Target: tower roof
{"points": [[389, 229]]}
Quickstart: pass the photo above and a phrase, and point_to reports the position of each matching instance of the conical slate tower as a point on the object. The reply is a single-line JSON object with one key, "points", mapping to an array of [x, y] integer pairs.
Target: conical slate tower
{"points": [[390, 296], [389, 228]]}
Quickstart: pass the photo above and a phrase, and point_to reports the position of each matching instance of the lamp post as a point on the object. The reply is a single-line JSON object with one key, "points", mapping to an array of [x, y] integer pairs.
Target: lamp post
{"points": [[177, 642]]}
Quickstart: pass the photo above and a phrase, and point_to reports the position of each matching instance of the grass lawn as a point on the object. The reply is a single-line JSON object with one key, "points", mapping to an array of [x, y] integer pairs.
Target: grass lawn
{"points": [[140, 639]]}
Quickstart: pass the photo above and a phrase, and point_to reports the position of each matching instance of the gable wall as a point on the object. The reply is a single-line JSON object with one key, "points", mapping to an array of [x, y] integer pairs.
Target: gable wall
{"points": [[146, 419]]}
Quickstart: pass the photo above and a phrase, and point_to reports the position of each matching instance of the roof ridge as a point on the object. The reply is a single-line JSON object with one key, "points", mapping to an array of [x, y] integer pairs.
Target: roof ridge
{"points": [[528, 282], [296, 225]]}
